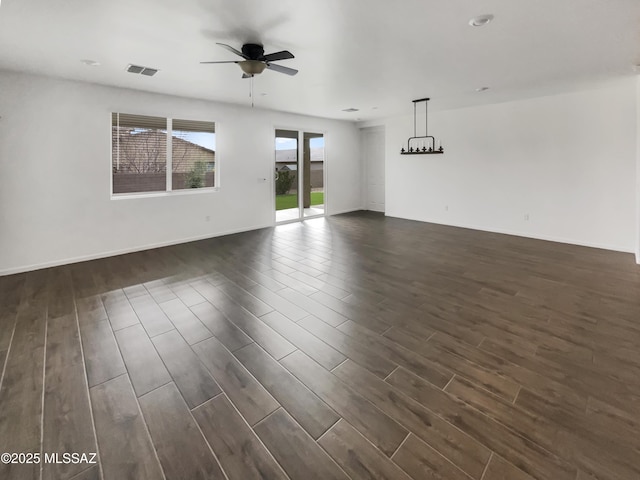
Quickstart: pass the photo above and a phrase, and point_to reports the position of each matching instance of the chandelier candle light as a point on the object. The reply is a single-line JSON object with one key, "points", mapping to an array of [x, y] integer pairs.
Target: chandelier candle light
{"points": [[421, 145]]}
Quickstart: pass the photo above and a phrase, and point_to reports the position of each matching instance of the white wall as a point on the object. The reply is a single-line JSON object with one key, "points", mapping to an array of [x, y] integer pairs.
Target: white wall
{"points": [[568, 161], [55, 168]]}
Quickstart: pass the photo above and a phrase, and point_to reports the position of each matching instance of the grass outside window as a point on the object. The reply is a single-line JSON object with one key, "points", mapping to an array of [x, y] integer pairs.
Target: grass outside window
{"points": [[290, 200]]}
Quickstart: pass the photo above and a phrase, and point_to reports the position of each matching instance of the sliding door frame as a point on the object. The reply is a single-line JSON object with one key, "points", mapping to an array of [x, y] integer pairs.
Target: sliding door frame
{"points": [[300, 173]]}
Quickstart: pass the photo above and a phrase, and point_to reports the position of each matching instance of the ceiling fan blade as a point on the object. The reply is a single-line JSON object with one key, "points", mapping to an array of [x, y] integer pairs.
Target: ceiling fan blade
{"points": [[281, 69], [231, 49], [273, 57], [227, 61]]}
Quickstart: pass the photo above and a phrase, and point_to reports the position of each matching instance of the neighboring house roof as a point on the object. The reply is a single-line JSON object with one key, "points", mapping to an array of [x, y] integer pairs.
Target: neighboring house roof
{"points": [[142, 150], [153, 134], [192, 145]]}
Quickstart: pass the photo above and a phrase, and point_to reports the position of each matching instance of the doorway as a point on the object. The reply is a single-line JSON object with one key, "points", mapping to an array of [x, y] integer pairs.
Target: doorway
{"points": [[372, 143], [299, 171]]}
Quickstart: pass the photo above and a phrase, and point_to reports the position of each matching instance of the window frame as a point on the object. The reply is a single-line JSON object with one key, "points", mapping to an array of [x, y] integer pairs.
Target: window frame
{"points": [[169, 191]]}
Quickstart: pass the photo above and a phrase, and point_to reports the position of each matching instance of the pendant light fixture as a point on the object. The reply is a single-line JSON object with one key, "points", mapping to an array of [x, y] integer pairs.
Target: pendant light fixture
{"points": [[425, 144]]}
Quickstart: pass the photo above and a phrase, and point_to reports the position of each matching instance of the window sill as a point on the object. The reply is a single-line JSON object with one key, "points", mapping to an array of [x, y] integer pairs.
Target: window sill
{"points": [[172, 193]]}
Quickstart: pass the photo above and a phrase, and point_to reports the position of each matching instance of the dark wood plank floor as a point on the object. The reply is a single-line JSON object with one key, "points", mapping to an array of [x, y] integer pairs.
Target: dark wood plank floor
{"points": [[357, 346]]}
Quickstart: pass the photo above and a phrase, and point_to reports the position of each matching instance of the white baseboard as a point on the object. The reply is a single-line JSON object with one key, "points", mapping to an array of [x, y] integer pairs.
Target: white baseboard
{"points": [[548, 238], [113, 253], [138, 248], [349, 210]]}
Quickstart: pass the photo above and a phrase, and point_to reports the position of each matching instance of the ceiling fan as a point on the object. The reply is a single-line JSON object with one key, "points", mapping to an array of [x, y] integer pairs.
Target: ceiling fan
{"points": [[255, 61]]}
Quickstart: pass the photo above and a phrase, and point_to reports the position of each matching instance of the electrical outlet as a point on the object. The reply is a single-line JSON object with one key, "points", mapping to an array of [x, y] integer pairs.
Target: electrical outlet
{"points": [[207, 218], [526, 217], [446, 208]]}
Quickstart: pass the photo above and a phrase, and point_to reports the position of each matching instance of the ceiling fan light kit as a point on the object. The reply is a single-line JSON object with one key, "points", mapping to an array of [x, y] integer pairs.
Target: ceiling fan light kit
{"points": [[252, 67], [417, 145]]}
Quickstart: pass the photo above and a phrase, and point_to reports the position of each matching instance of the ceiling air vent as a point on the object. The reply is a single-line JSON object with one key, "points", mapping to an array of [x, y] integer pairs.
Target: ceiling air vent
{"points": [[149, 72], [134, 69]]}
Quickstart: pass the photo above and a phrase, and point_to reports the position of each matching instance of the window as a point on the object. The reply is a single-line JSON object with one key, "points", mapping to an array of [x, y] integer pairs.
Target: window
{"points": [[142, 158], [193, 155], [139, 153]]}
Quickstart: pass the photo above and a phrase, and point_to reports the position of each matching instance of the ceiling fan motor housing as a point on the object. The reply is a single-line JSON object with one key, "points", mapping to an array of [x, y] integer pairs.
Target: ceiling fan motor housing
{"points": [[253, 51]]}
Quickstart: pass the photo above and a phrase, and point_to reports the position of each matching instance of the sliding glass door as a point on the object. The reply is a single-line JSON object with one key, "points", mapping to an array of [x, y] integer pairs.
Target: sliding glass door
{"points": [[286, 176], [299, 185], [313, 178]]}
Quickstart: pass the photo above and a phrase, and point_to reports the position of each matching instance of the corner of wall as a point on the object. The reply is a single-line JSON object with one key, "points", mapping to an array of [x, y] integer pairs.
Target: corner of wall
{"points": [[637, 249]]}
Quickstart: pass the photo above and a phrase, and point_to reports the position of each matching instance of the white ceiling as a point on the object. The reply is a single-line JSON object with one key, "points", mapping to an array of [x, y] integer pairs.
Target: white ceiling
{"points": [[369, 54]]}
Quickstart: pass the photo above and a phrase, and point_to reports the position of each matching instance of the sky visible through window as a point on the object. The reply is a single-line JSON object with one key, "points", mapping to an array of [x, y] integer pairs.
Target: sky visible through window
{"points": [[208, 140], [204, 139], [290, 143]]}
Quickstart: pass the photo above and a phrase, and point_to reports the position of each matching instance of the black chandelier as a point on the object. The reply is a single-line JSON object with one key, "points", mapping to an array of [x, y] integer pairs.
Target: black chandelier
{"points": [[425, 144]]}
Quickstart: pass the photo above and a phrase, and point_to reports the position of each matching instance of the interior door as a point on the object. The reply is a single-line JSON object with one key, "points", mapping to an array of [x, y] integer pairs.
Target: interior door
{"points": [[373, 145]]}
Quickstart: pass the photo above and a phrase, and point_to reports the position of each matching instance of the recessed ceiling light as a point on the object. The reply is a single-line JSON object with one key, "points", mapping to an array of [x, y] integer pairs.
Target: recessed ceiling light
{"points": [[480, 20], [91, 63], [482, 89], [350, 110]]}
